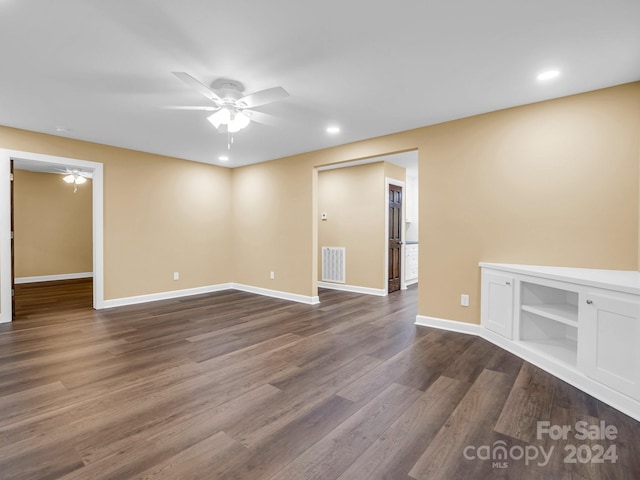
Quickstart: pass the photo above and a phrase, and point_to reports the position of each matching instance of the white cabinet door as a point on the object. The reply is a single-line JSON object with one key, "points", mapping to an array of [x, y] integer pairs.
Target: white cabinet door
{"points": [[497, 303], [411, 262], [610, 341]]}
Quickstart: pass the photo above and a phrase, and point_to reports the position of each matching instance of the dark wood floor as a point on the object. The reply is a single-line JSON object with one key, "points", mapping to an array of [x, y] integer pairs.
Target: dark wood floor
{"points": [[237, 386]]}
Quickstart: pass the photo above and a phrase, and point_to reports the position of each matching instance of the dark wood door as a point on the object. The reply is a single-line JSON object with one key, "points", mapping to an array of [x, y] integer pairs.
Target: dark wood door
{"points": [[13, 284], [395, 237]]}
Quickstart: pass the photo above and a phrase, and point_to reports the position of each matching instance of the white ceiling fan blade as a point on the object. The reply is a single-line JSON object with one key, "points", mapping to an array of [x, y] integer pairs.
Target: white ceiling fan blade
{"points": [[263, 118], [192, 108], [198, 86], [73, 171], [263, 97]]}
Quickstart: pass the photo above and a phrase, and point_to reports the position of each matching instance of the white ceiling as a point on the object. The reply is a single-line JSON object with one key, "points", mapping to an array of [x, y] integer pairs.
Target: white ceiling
{"points": [[102, 69], [47, 167]]}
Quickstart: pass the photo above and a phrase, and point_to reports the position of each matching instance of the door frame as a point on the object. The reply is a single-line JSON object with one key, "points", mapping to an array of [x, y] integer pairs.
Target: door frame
{"points": [[5, 223], [392, 181]]}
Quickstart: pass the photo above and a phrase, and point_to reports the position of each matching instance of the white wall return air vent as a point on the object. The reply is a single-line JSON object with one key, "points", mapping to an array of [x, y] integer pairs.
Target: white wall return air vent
{"points": [[333, 264]]}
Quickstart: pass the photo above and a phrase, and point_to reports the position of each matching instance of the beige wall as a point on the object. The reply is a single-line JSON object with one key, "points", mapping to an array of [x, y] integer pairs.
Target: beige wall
{"points": [[551, 183], [554, 183], [161, 215], [395, 171], [353, 199], [52, 225], [273, 225]]}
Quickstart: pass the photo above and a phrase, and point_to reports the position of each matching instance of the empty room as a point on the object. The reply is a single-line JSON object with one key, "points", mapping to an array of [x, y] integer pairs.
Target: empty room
{"points": [[344, 240]]}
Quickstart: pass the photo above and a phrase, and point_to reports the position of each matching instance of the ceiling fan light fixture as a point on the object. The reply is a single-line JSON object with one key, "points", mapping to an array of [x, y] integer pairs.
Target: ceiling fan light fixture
{"points": [[76, 179], [221, 117], [239, 121], [230, 103]]}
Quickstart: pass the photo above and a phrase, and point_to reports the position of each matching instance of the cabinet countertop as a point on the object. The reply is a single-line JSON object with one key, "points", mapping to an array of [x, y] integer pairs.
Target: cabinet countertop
{"points": [[620, 280]]}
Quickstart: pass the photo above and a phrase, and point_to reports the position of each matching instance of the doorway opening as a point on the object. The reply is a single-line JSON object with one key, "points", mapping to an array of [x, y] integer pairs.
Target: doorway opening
{"points": [[22, 163], [52, 234], [353, 214], [395, 236]]}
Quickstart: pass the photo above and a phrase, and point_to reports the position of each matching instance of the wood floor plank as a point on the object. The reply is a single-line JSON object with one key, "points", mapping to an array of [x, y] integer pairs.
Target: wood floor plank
{"points": [[195, 462], [626, 442], [416, 366], [255, 428], [277, 450], [328, 458], [395, 452], [72, 420], [52, 463], [471, 362], [474, 414], [530, 401], [233, 385], [170, 436]]}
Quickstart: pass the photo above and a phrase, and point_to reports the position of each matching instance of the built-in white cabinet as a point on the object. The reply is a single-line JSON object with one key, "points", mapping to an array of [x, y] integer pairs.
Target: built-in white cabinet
{"points": [[497, 303], [611, 335], [582, 325], [411, 263], [549, 321]]}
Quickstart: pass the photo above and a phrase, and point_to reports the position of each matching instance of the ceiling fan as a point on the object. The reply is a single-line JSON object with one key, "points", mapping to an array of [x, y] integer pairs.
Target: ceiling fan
{"points": [[75, 177], [232, 110]]}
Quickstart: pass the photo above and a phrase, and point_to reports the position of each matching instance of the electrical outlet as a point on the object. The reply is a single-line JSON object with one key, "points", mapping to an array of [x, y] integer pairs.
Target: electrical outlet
{"points": [[464, 300], [272, 275], [176, 275]]}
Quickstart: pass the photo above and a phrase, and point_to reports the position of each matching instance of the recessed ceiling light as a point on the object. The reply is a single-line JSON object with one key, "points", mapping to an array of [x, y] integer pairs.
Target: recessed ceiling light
{"points": [[223, 158], [61, 129], [548, 75], [333, 129]]}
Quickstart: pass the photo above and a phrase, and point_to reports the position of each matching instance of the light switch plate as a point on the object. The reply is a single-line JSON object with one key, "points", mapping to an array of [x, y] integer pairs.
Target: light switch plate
{"points": [[464, 300]]}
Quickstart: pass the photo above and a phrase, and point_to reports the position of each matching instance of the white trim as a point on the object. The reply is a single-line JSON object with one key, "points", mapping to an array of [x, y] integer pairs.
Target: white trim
{"points": [[392, 181], [380, 292], [97, 184], [294, 297], [5, 240], [384, 157], [573, 377], [154, 297], [451, 325], [413, 281], [5, 223], [53, 278], [609, 396]]}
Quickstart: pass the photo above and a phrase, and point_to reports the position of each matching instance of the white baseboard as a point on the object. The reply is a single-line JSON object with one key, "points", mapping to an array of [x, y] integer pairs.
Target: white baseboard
{"points": [[294, 297], [53, 278], [411, 282], [153, 297], [380, 292], [452, 325], [615, 399]]}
